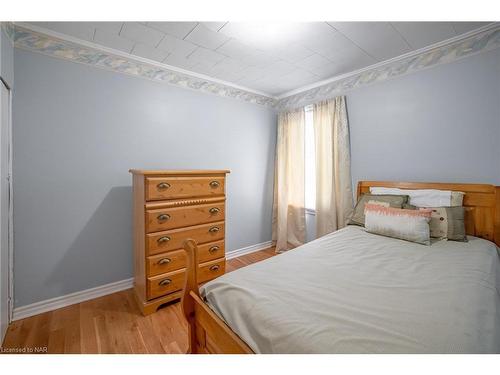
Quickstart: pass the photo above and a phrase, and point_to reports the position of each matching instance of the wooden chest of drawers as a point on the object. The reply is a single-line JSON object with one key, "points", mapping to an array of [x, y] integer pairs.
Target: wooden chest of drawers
{"points": [[170, 207]]}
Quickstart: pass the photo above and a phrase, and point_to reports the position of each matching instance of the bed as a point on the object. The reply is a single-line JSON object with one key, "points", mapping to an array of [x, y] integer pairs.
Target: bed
{"points": [[356, 292]]}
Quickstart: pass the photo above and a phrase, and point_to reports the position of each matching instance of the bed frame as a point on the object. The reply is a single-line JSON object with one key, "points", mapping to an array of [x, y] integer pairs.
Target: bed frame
{"points": [[209, 334]]}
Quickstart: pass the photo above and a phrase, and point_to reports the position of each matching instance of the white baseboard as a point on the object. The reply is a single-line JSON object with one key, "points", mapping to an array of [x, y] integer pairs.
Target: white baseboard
{"points": [[70, 299], [99, 291], [247, 250]]}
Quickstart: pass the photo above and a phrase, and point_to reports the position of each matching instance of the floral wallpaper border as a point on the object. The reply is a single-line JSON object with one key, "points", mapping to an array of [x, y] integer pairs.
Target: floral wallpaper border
{"points": [[8, 27], [47, 45], [481, 42], [30, 40]]}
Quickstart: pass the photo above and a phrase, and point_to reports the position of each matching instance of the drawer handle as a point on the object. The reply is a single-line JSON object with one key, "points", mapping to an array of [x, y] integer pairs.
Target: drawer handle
{"points": [[164, 282], [214, 184], [163, 239], [215, 268], [164, 261], [214, 229], [163, 217], [214, 210], [163, 185], [213, 249]]}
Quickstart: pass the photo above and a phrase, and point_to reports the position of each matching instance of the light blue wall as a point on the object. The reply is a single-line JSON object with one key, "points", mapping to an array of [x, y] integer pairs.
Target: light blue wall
{"points": [[78, 130], [440, 124]]}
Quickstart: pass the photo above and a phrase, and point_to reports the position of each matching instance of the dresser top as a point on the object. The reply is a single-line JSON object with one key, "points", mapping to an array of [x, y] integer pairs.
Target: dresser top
{"points": [[188, 172]]}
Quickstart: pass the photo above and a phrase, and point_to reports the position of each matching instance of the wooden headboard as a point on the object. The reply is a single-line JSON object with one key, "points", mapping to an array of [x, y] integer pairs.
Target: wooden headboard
{"points": [[482, 202]]}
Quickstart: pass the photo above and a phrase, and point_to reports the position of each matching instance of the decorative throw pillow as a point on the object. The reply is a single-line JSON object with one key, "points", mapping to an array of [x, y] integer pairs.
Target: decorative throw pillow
{"points": [[409, 225], [358, 215], [380, 203], [448, 223]]}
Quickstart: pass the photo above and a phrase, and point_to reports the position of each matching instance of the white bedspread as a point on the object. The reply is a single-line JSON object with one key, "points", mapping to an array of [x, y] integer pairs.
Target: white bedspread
{"points": [[355, 292]]}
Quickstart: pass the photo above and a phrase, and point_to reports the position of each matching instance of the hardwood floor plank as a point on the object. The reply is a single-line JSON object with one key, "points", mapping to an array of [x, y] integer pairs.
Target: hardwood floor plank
{"points": [[27, 331], [39, 341], [131, 331], [111, 324], [234, 264], [72, 342], [13, 335], [144, 328], [88, 331], [56, 341], [104, 341]]}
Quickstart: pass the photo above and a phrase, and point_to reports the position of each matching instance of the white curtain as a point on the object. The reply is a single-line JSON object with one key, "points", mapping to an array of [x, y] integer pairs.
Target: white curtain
{"points": [[334, 200], [288, 206]]}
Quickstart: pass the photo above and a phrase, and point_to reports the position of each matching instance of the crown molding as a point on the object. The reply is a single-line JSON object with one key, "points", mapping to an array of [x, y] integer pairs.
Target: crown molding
{"points": [[51, 43], [480, 40]]}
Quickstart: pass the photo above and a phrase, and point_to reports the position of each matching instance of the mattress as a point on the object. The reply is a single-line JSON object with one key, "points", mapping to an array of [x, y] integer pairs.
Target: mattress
{"points": [[356, 292]]}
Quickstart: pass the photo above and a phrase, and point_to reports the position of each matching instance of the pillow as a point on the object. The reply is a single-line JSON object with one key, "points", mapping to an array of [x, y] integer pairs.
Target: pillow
{"points": [[425, 197], [380, 203], [448, 223], [409, 225], [457, 198], [408, 206], [358, 215]]}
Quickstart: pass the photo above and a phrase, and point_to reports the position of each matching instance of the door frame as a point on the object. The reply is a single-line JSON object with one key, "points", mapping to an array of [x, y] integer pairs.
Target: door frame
{"points": [[10, 224]]}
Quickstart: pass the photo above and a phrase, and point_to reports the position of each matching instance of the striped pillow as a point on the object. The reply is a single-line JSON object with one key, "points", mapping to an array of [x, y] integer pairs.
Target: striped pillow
{"points": [[409, 225]]}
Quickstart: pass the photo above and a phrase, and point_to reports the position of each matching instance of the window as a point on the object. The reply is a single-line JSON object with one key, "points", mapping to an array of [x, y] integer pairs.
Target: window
{"points": [[310, 162]]}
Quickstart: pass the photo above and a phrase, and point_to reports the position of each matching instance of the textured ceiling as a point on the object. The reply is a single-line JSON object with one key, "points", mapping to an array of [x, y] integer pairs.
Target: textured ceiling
{"points": [[270, 58]]}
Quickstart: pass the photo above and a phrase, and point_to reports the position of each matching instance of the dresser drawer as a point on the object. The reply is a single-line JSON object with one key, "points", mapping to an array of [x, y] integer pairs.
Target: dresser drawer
{"points": [[165, 262], [210, 251], [165, 283], [160, 242], [178, 217], [158, 188], [210, 270]]}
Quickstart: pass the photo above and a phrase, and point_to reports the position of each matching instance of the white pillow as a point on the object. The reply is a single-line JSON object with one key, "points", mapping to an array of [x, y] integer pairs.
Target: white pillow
{"points": [[425, 197]]}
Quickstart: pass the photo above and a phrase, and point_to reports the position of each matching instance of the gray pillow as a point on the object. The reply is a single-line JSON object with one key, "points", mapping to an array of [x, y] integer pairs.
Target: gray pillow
{"points": [[408, 206], [448, 223], [358, 215]]}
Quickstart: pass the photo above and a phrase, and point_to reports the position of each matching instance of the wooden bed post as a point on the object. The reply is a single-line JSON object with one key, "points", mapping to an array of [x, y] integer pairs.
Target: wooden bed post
{"points": [[207, 333], [497, 216], [191, 286]]}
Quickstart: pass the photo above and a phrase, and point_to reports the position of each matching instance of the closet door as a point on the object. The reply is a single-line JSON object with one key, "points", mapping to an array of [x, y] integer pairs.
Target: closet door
{"points": [[4, 207]]}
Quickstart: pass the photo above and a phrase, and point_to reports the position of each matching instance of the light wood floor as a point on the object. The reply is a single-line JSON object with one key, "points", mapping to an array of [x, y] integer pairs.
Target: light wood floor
{"points": [[110, 324]]}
